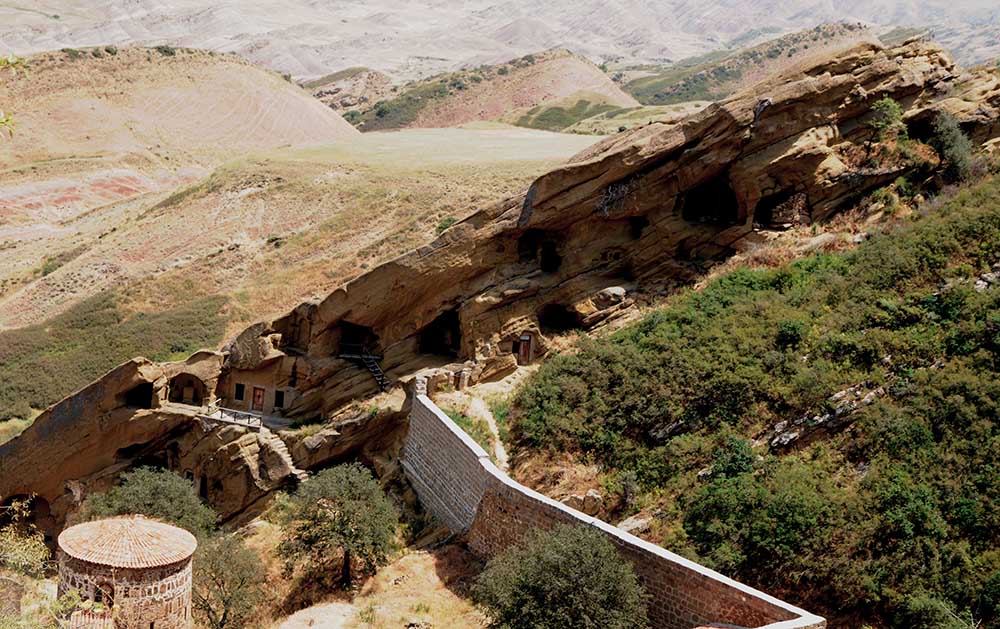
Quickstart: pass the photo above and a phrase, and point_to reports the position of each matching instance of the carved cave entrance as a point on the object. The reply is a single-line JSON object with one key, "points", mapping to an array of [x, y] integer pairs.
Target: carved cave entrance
{"points": [[38, 514], [187, 389], [535, 245], [781, 209], [557, 318], [712, 202], [139, 396], [442, 336], [356, 339]]}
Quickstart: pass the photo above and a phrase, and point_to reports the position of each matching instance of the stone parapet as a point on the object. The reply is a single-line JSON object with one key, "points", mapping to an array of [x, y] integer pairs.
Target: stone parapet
{"points": [[458, 484]]}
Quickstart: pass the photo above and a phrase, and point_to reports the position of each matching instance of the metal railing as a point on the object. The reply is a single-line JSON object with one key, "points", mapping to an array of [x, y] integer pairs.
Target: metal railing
{"points": [[253, 421]]}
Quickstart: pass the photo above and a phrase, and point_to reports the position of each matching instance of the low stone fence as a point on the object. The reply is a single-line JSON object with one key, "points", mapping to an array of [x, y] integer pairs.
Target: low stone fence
{"points": [[458, 484]]}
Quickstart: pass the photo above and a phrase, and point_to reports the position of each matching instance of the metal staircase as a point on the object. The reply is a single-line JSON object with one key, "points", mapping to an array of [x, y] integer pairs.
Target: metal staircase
{"points": [[360, 355]]}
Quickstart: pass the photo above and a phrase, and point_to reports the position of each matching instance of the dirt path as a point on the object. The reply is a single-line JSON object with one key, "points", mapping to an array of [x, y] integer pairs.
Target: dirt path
{"points": [[325, 616], [478, 408]]}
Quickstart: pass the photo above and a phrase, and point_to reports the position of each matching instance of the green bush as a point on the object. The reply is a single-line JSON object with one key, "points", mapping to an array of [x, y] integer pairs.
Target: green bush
{"points": [[445, 223], [155, 493], [571, 576], [165, 50], [954, 147], [229, 583], [902, 494]]}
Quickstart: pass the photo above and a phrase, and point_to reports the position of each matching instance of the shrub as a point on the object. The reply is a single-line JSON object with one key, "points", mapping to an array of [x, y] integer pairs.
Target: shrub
{"points": [[954, 146], [155, 493], [340, 512], [111, 50], [571, 576], [165, 50], [72, 53], [445, 224], [887, 119], [229, 583]]}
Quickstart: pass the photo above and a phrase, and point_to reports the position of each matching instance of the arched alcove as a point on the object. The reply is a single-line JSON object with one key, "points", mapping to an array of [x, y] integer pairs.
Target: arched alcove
{"points": [[188, 389], [442, 336]]}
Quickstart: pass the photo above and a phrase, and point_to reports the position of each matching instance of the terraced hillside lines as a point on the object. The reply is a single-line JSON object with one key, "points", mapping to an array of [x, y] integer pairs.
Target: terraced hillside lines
{"points": [[492, 92], [184, 107]]}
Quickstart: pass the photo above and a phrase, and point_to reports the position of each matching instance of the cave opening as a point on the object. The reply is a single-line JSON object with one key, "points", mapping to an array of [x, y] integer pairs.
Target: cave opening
{"points": [[781, 209], [550, 260], [558, 318], [140, 396], [527, 245], [357, 339], [713, 202], [37, 513], [442, 336], [187, 389], [636, 225]]}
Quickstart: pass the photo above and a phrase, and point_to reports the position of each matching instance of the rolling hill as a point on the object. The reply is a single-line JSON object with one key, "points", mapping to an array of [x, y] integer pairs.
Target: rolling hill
{"points": [[491, 92]]}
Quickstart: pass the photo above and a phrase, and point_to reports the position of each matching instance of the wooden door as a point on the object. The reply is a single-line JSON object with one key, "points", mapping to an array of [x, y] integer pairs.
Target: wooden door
{"points": [[524, 350], [258, 399]]}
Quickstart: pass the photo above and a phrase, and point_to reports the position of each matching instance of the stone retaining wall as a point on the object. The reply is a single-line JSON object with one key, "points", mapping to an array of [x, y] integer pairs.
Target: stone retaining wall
{"points": [[458, 484]]}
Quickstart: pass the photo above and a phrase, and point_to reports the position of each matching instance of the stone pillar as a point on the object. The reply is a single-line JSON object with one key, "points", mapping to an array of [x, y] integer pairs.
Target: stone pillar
{"points": [[420, 385]]}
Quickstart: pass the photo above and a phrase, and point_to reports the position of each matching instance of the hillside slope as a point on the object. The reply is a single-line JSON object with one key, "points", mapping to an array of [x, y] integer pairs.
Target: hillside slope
{"points": [[826, 429], [491, 92]]}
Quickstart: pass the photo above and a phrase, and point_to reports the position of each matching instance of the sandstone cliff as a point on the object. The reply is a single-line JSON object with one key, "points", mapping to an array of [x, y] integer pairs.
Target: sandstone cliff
{"points": [[644, 210]]}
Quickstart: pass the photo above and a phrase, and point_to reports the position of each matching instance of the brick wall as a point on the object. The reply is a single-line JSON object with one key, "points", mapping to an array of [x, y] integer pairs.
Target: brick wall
{"points": [[458, 484]]}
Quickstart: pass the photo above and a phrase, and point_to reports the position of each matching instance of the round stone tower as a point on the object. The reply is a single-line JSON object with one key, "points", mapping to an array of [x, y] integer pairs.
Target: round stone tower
{"points": [[138, 567]]}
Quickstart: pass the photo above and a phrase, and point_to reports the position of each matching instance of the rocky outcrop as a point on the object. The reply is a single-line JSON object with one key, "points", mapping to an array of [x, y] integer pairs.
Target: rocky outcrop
{"points": [[642, 211]]}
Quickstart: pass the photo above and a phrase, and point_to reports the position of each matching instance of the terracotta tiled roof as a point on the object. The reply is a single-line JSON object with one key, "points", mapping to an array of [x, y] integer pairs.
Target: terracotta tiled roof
{"points": [[128, 542]]}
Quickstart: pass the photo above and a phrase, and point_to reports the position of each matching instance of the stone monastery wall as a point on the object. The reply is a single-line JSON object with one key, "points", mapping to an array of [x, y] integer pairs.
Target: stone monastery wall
{"points": [[458, 484]]}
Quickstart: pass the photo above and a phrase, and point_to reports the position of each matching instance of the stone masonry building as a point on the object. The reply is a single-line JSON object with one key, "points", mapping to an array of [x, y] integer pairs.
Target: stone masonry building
{"points": [[138, 568]]}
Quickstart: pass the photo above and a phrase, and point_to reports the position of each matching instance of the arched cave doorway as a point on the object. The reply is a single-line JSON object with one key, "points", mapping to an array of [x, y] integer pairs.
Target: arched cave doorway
{"points": [[636, 225], [442, 336], [781, 210], [712, 202], [557, 318], [38, 515], [187, 389]]}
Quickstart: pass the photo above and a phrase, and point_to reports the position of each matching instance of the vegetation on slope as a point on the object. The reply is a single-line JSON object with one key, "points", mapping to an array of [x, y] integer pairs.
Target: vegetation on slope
{"points": [[891, 518], [561, 115], [42, 363], [718, 74], [403, 109]]}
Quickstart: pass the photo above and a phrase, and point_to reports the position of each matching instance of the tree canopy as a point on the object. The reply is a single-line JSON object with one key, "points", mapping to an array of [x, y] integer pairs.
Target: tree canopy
{"points": [[571, 576], [340, 512]]}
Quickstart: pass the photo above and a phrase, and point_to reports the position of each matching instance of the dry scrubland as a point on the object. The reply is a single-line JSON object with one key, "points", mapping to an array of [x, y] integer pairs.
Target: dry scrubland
{"points": [[134, 235]]}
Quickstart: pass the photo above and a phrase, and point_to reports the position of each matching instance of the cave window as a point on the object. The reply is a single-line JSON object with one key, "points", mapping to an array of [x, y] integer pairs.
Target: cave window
{"points": [[239, 392], [187, 389], [781, 209], [140, 396], [527, 245], [551, 260], [189, 475], [293, 377], [558, 318], [203, 487], [442, 336], [279, 399], [357, 339], [712, 202], [636, 225]]}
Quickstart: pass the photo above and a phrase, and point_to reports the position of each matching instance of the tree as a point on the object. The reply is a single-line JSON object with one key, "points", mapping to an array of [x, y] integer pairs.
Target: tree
{"points": [[14, 65], [342, 511], [228, 583], [571, 576], [887, 119], [158, 494], [954, 146]]}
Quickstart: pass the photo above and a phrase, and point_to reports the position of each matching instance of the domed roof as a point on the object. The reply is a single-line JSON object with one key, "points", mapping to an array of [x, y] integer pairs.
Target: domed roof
{"points": [[128, 542]]}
